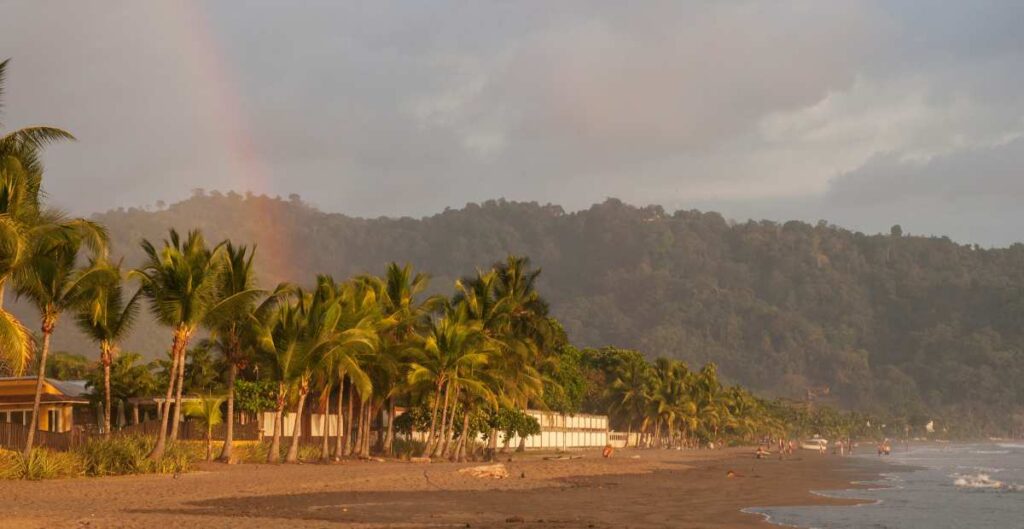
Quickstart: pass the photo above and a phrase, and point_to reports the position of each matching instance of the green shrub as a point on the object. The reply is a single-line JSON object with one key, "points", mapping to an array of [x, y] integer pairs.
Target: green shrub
{"points": [[252, 452], [309, 452], [117, 455], [405, 448], [41, 464]]}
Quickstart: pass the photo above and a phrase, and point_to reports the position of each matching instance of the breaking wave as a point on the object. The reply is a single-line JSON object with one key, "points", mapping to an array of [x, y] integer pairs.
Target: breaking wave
{"points": [[983, 481]]}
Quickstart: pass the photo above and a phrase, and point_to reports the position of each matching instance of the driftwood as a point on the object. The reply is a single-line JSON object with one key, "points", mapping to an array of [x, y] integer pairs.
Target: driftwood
{"points": [[497, 471]]}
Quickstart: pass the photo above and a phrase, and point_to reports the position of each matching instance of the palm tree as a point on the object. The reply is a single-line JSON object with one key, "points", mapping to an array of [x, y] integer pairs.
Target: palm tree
{"points": [[237, 277], [399, 301], [21, 216], [710, 402], [53, 284], [296, 340], [358, 330], [451, 345], [629, 391], [106, 318], [181, 281], [129, 377], [207, 411]]}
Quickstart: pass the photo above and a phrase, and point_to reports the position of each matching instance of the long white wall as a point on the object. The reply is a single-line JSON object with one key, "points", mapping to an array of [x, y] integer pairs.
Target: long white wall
{"points": [[566, 431], [267, 424], [556, 431]]}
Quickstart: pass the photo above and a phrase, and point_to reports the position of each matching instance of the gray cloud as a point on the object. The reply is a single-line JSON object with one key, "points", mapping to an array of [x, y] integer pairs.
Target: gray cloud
{"points": [[851, 111]]}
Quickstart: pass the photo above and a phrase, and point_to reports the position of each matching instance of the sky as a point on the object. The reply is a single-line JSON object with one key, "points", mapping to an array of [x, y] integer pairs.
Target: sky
{"points": [[865, 114]]}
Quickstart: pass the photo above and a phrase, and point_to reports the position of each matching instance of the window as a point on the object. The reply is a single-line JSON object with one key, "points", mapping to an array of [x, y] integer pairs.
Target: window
{"points": [[18, 417], [53, 420]]}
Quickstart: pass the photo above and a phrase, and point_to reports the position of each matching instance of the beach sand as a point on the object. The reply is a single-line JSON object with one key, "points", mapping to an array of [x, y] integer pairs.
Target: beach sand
{"points": [[635, 488]]}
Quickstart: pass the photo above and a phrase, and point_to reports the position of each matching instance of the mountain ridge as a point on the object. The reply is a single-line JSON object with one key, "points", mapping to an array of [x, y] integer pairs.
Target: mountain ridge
{"points": [[922, 325]]}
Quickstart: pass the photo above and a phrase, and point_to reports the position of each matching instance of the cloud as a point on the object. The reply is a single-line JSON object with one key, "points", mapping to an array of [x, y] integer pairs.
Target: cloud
{"points": [[791, 109]]}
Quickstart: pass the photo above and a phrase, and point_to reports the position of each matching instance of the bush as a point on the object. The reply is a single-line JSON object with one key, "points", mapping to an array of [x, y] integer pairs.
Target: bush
{"points": [[309, 452], [116, 456], [41, 464], [252, 452], [405, 448]]}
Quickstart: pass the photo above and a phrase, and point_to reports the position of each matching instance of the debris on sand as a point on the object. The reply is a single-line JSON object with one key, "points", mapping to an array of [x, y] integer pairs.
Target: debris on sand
{"points": [[419, 459], [514, 519], [497, 471], [561, 458]]}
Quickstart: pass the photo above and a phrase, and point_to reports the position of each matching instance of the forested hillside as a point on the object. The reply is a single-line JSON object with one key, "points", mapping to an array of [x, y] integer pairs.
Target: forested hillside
{"points": [[892, 322]]}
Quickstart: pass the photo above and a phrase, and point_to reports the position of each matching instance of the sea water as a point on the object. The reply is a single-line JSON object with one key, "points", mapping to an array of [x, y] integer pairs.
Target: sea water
{"points": [[957, 486]]}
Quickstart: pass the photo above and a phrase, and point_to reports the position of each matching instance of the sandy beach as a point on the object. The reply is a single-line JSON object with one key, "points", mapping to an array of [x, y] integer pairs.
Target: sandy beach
{"points": [[646, 488]]}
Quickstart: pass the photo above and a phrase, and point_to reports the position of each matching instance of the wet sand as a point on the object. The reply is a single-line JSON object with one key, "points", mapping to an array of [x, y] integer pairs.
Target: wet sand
{"points": [[644, 488]]}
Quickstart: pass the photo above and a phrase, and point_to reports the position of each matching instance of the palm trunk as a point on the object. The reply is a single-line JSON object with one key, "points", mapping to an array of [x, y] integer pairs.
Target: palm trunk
{"points": [[357, 440], [177, 399], [325, 438], [48, 325], [165, 408], [433, 420], [274, 455], [389, 439], [444, 421], [209, 443], [379, 413], [293, 449], [351, 418], [492, 445], [446, 442], [338, 447], [364, 428], [229, 428], [105, 357], [371, 411], [460, 448]]}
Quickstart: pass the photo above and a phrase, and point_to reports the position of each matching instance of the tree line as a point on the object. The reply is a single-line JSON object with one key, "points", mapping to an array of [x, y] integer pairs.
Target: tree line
{"points": [[894, 324]]}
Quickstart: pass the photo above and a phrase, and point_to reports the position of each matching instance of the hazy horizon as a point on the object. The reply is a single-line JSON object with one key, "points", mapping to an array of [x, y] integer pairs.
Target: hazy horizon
{"points": [[865, 114]]}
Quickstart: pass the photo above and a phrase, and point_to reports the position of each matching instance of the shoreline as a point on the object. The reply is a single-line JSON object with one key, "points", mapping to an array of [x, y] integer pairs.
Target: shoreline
{"points": [[636, 488]]}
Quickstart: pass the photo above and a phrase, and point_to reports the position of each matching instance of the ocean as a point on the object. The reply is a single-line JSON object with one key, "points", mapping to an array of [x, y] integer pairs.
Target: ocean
{"points": [[957, 486]]}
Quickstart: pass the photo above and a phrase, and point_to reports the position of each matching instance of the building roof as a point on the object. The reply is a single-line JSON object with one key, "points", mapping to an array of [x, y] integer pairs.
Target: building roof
{"points": [[43, 399], [61, 391]]}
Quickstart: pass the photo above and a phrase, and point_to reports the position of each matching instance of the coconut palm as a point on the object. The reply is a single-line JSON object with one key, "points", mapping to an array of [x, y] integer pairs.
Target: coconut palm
{"points": [[711, 402], [452, 345], [629, 391], [297, 339], [228, 335], [181, 280], [53, 284], [206, 410], [15, 340], [21, 214], [106, 318]]}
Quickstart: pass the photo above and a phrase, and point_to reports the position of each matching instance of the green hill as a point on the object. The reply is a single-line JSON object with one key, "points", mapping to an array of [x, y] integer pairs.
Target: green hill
{"points": [[888, 322]]}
